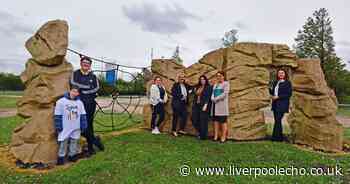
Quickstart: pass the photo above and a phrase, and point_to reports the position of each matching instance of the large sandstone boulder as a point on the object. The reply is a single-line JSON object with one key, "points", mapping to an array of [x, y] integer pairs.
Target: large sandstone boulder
{"points": [[46, 78], [249, 68], [49, 44], [313, 119]]}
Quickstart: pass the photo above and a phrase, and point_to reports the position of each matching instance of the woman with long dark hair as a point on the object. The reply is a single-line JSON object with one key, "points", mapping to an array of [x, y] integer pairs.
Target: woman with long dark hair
{"points": [[281, 91], [201, 106], [220, 110]]}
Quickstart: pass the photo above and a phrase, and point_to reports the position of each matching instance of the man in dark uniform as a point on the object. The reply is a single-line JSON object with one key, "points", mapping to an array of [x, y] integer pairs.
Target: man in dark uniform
{"points": [[88, 85]]}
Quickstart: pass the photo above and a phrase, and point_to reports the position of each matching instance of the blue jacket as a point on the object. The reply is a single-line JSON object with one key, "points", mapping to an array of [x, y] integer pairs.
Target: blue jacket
{"points": [[58, 119], [284, 94]]}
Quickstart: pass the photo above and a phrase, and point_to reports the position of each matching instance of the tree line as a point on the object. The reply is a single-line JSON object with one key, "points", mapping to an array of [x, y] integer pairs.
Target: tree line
{"points": [[10, 82], [134, 86], [315, 40]]}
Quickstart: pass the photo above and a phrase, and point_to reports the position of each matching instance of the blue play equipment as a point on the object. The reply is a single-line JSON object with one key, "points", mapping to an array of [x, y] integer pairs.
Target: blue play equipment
{"points": [[111, 77]]}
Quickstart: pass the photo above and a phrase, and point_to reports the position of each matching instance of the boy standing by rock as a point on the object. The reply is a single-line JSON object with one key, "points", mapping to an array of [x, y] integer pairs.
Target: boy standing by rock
{"points": [[70, 120]]}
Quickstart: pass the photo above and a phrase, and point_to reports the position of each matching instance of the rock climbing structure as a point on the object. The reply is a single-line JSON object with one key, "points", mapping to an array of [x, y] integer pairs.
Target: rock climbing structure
{"points": [[313, 119], [249, 68]]}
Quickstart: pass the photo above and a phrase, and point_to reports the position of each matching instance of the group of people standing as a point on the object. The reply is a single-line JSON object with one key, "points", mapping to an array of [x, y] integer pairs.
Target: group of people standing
{"points": [[74, 113], [211, 103]]}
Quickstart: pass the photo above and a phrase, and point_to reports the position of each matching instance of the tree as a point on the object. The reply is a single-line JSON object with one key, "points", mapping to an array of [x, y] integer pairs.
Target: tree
{"points": [[315, 40], [230, 38], [337, 77], [176, 55], [10, 82]]}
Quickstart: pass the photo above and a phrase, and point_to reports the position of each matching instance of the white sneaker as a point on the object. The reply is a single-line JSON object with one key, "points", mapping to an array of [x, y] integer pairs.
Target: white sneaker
{"points": [[153, 131], [156, 130], [175, 134]]}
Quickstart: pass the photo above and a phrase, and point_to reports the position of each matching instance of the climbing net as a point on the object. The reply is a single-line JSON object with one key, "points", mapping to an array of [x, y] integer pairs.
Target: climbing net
{"points": [[121, 99]]}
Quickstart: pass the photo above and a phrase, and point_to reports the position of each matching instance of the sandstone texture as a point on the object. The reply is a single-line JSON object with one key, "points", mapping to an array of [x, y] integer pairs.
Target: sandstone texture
{"points": [[46, 78], [249, 68]]}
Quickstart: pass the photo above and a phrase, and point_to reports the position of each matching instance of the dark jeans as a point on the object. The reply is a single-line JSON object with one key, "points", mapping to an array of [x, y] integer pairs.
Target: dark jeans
{"points": [[179, 113], [277, 134], [200, 121], [90, 107], [157, 110]]}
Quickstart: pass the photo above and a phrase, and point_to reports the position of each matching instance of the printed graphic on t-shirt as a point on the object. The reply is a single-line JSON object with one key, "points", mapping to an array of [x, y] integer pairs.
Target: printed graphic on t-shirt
{"points": [[72, 112]]}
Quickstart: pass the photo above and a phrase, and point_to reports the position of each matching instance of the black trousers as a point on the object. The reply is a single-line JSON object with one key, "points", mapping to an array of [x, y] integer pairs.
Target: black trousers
{"points": [[277, 134], [200, 121], [157, 110], [179, 113], [90, 108]]}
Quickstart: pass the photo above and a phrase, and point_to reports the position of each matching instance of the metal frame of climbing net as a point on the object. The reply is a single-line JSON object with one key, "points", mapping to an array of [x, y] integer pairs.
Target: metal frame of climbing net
{"points": [[115, 97]]}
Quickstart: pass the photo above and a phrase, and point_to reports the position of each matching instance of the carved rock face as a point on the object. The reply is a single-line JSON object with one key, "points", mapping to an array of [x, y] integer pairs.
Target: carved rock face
{"points": [[49, 44], [248, 68], [46, 79]]}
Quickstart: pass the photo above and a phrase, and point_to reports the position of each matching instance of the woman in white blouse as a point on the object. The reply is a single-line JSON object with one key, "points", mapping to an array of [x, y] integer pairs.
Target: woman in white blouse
{"points": [[158, 97]]}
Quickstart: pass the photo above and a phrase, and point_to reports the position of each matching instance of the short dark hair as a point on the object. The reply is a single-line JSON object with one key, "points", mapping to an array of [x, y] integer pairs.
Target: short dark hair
{"points": [[85, 58], [74, 87], [222, 73]]}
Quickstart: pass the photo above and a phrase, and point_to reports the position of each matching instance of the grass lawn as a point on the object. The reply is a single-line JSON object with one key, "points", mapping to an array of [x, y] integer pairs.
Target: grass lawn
{"points": [[143, 158], [345, 100], [8, 101], [6, 127], [103, 122], [344, 111], [139, 157]]}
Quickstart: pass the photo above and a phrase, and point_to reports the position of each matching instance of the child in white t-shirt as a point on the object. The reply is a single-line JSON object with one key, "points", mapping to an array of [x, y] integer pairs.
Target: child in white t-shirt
{"points": [[70, 120]]}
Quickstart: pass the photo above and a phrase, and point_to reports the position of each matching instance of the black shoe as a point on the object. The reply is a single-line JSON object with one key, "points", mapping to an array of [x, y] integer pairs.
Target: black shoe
{"points": [[276, 139], [73, 158], [98, 143], [90, 152], [60, 161]]}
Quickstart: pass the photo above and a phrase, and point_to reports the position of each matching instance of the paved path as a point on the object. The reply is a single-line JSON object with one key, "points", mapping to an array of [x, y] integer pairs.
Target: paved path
{"points": [[7, 112]]}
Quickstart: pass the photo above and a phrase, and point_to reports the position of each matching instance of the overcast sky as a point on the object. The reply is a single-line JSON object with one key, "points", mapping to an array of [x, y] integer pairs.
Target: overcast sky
{"points": [[127, 30]]}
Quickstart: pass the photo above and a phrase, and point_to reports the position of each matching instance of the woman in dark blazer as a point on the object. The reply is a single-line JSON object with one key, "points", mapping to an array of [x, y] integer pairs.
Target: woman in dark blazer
{"points": [[281, 91], [201, 106], [179, 92]]}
